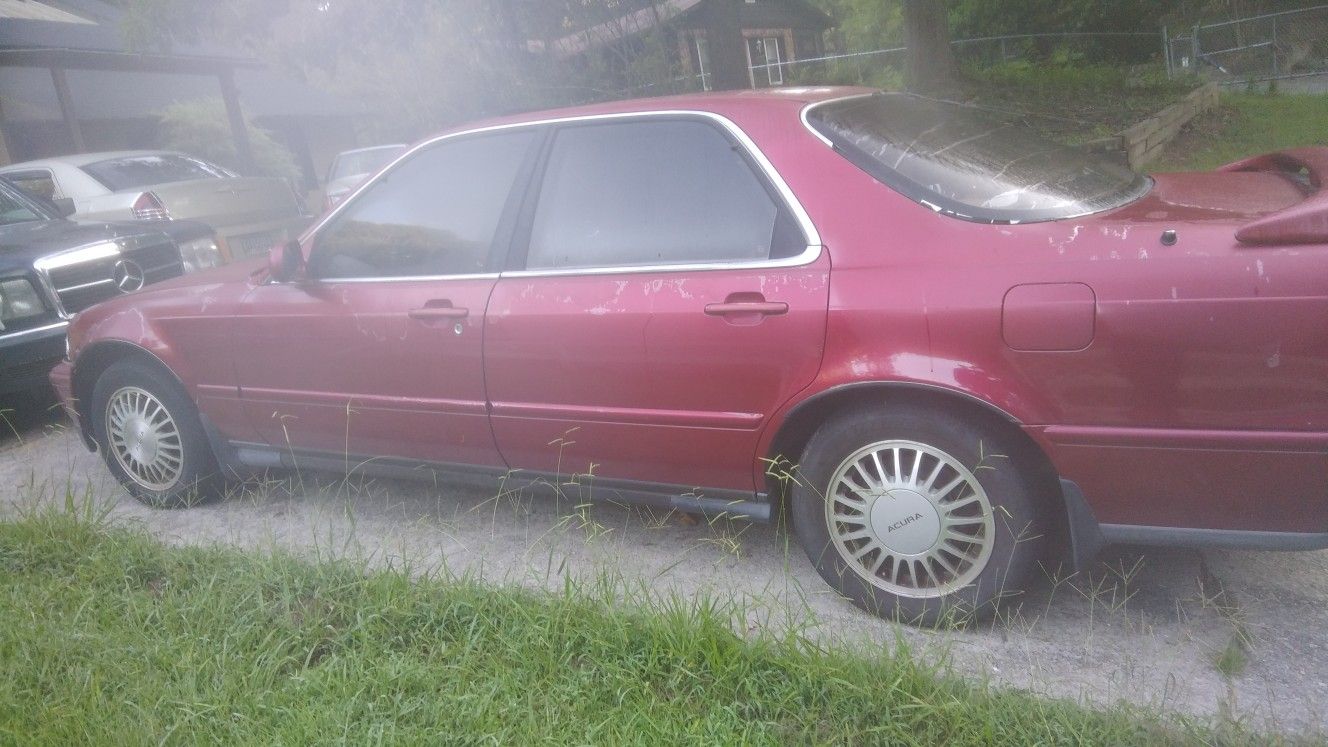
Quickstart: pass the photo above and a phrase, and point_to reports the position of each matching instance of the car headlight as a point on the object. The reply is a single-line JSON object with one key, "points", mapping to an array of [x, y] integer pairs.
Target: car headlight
{"points": [[19, 300], [200, 254]]}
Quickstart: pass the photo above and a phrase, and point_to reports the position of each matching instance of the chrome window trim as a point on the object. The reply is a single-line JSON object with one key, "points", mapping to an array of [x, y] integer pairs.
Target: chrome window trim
{"points": [[807, 110], [8, 337], [808, 256], [811, 254], [404, 279]]}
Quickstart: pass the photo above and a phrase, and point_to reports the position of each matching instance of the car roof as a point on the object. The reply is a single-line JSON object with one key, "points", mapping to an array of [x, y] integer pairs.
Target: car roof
{"points": [[723, 103], [83, 159], [371, 147]]}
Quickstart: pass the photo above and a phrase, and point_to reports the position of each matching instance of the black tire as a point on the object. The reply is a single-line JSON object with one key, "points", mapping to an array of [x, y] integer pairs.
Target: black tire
{"points": [[197, 479], [994, 460]]}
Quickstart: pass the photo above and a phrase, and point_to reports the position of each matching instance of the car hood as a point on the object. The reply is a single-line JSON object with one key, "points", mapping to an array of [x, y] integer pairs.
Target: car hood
{"points": [[1234, 197], [22, 243]]}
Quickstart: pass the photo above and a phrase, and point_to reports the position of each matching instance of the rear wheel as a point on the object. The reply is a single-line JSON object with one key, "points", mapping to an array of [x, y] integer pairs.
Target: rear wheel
{"points": [[916, 514], [151, 438]]}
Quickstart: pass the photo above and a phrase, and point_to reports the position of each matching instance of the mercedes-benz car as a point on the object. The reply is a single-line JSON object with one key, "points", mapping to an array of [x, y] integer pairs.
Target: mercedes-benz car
{"points": [[938, 345], [52, 268]]}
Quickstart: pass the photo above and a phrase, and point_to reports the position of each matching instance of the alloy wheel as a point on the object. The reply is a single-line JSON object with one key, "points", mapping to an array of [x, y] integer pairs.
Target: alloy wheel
{"points": [[910, 519], [144, 438]]}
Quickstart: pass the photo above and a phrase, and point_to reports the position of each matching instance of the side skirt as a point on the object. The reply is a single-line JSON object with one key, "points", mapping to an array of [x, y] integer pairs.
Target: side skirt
{"points": [[250, 457], [1088, 537]]}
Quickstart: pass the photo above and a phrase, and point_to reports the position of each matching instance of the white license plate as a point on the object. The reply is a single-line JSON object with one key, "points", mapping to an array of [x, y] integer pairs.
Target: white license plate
{"points": [[254, 244]]}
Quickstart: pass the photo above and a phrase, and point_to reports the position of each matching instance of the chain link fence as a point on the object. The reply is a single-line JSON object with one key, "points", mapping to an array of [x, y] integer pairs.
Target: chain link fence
{"points": [[1273, 46], [875, 67]]}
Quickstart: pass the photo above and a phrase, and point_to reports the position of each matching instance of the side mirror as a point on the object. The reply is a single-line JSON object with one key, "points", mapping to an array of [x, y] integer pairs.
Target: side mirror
{"points": [[285, 261], [64, 206]]}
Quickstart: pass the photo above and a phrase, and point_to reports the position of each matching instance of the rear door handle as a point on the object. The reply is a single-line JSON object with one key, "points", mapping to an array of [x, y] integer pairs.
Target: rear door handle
{"points": [[764, 308], [435, 310]]}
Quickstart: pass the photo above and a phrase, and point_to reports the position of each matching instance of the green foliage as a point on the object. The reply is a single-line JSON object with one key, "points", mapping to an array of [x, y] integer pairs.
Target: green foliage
{"points": [[1247, 125], [201, 128], [116, 639]]}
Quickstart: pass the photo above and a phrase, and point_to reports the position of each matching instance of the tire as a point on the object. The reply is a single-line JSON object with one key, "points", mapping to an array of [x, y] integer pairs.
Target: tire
{"points": [[896, 520], [162, 455]]}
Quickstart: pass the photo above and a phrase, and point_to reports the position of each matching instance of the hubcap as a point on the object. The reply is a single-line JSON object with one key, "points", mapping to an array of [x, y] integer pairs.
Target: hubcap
{"points": [[144, 438], [910, 519]]}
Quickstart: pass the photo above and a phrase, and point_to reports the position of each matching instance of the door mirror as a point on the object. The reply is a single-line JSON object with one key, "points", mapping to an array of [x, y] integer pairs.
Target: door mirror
{"points": [[64, 206], [285, 262]]}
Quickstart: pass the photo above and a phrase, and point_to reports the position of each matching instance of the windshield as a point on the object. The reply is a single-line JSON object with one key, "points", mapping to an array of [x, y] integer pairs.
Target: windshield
{"points": [[970, 163], [145, 171], [363, 161], [15, 208]]}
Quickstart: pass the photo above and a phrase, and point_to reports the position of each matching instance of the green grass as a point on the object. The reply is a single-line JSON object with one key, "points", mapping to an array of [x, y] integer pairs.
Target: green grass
{"points": [[112, 638], [1246, 125]]}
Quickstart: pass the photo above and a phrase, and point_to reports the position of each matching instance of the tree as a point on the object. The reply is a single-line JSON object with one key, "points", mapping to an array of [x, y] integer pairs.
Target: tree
{"points": [[930, 60]]}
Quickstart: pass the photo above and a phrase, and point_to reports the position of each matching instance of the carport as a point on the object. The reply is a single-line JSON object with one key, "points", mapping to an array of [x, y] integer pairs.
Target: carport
{"points": [[58, 61]]}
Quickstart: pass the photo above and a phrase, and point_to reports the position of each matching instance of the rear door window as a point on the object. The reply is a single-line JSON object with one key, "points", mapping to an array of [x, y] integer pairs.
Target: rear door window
{"points": [[37, 182], [641, 193]]}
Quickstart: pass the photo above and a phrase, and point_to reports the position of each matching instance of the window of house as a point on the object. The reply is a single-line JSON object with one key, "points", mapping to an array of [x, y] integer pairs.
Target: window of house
{"points": [[436, 213], [654, 193], [766, 57]]}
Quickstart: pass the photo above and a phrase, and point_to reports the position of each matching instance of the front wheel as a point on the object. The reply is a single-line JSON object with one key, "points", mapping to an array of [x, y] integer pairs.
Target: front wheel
{"points": [[151, 438], [917, 515]]}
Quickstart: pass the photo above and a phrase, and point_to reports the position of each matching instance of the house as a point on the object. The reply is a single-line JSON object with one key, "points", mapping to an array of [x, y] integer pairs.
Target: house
{"points": [[70, 82], [713, 44]]}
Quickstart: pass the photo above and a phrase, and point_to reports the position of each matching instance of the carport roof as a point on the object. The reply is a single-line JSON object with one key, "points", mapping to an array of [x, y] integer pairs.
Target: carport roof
{"points": [[110, 80]]}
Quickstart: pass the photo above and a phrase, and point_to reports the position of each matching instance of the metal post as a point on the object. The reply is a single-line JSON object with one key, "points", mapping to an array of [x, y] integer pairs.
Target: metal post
{"points": [[1194, 47], [231, 97], [1166, 52], [67, 109], [5, 157], [1275, 70]]}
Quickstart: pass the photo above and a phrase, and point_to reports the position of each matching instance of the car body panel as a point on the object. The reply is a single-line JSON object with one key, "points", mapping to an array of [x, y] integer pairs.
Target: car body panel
{"points": [[1199, 401], [366, 377], [627, 376]]}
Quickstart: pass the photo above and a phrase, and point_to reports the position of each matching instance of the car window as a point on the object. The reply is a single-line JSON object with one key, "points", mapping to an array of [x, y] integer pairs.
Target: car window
{"points": [[37, 182], [653, 193], [144, 171], [14, 210], [972, 163], [434, 214]]}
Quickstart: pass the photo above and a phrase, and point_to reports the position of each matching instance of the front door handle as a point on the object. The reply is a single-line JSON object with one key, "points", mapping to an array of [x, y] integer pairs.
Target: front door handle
{"points": [[764, 308], [436, 310]]}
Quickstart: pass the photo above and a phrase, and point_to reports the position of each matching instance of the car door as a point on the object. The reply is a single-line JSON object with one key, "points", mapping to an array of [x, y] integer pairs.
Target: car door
{"points": [[669, 298], [378, 352]]}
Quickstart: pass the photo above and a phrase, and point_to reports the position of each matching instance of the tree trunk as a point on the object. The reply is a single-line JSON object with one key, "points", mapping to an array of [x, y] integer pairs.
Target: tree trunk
{"points": [[930, 60], [728, 53]]}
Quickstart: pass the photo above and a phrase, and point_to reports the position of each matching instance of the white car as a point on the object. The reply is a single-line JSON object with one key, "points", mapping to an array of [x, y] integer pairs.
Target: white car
{"points": [[250, 214], [350, 168]]}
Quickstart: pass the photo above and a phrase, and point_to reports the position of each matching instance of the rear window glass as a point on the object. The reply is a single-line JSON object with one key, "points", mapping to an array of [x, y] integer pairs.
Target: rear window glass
{"points": [[144, 171], [972, 163]]}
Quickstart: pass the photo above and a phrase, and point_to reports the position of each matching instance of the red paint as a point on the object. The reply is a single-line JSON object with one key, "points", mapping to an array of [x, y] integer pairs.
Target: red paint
{"points": [[1049, 317], [1199, 397]]}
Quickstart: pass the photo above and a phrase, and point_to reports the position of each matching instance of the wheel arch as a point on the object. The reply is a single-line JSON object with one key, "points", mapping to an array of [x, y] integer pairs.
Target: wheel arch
{"points": [[93, 361], [802, 421]]}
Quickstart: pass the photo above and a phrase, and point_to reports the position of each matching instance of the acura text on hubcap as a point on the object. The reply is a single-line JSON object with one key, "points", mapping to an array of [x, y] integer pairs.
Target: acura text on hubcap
{"points": [[910, 519], [144, 438]]}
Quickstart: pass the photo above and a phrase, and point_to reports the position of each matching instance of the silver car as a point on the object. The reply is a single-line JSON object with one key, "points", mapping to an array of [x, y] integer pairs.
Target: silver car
{"points": [[350, 168], [250, 214]]}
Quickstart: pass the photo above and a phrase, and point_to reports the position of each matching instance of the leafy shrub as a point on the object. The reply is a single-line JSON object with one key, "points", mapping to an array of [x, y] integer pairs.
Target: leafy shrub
{"points": [[201, 128]]}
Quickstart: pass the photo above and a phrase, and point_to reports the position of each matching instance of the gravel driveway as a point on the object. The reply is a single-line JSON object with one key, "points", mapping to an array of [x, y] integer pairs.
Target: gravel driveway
{"points": [[1147, 627]]}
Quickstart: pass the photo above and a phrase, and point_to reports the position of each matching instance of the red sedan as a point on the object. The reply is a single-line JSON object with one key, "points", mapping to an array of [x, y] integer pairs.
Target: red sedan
{"points": [[940, 346]]}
